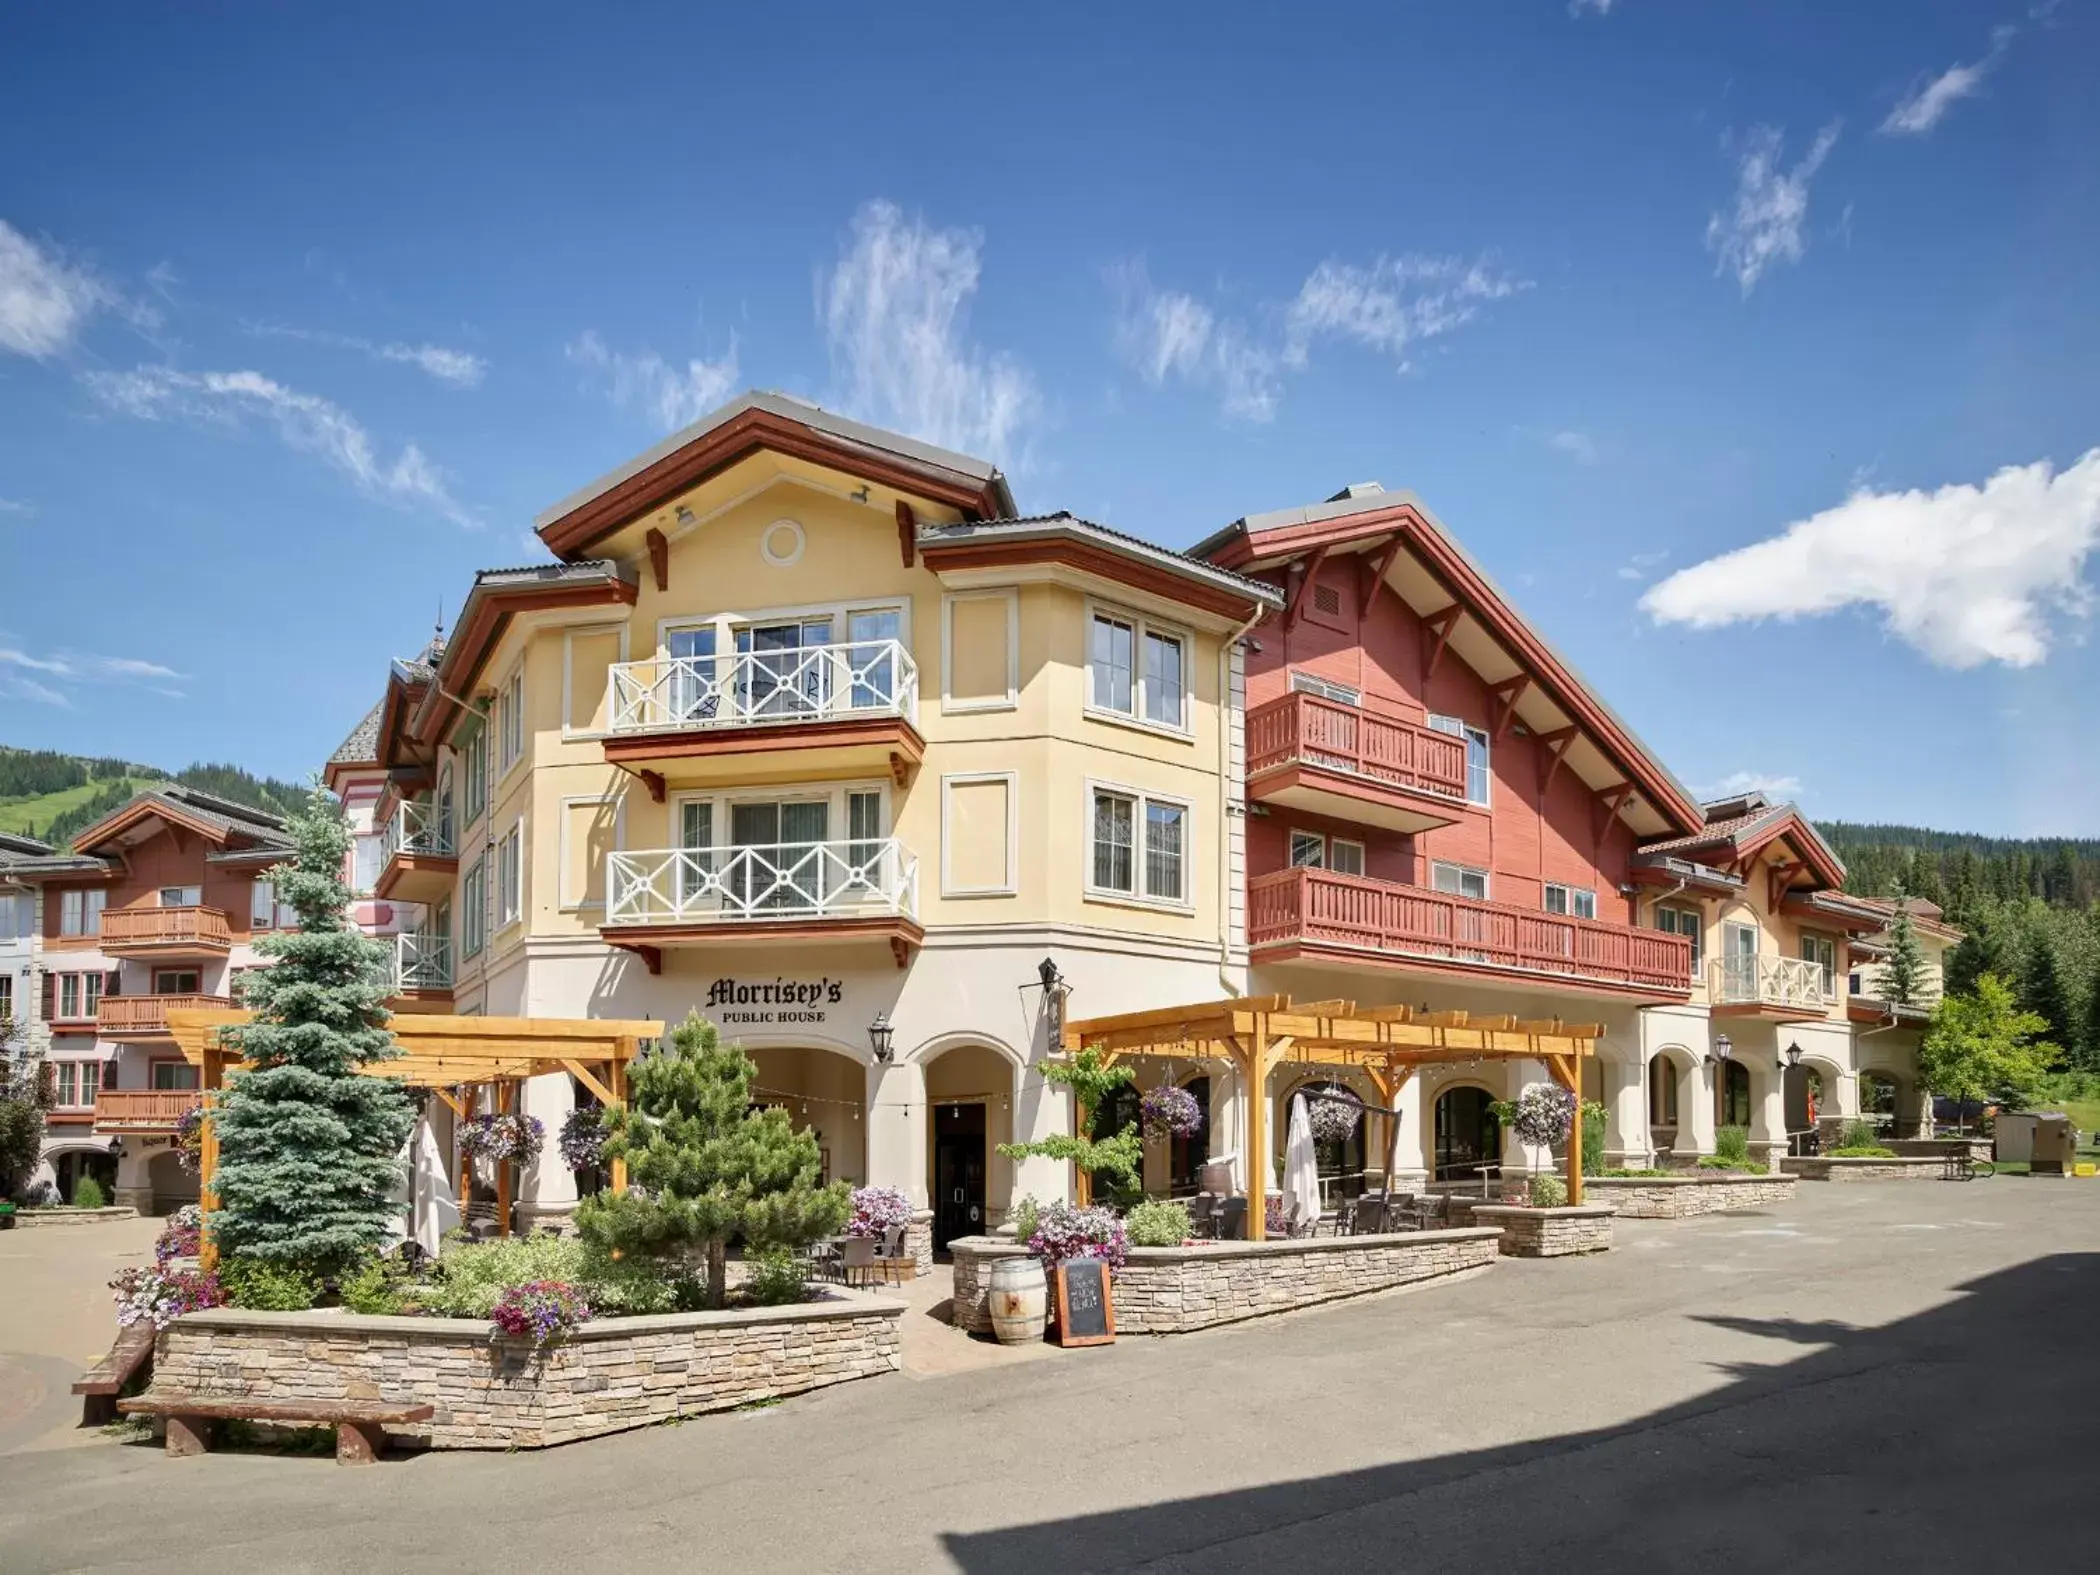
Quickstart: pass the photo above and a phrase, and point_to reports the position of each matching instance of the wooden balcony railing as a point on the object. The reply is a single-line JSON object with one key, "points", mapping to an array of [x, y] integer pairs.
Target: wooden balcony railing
{"points": [[147, 1014], [144, 1109], [197, 928], [1320, 907], [1307, 729]]}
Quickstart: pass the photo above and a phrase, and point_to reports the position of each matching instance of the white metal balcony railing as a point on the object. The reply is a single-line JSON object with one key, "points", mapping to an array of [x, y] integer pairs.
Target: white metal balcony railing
{"points": [[784, 881], [422, 962], [823, 683], [421, 828], [1792, 982]]}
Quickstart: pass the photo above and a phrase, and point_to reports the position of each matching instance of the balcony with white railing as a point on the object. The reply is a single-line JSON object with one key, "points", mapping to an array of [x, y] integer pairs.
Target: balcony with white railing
{"points": [[420, 859], [1784, 989], [422, 964], [853, 705], [798, 890]]}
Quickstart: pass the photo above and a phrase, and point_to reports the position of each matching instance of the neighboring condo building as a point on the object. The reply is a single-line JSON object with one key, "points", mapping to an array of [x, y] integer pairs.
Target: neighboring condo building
{"points": [[809, 732], [18, 927], [157, 907]]}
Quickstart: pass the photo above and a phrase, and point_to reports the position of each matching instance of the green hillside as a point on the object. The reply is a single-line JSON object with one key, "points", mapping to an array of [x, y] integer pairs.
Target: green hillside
{"points": [[52, 796]]}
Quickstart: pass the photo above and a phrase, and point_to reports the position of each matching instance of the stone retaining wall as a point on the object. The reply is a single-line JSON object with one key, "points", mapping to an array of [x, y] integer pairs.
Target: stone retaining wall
{"points": [[918, 1241], [31, 1219], [1173, 1290], [1548, 1233], [1978, 1147], [612, 1374], [1824, 1168], [1680, 1197]]}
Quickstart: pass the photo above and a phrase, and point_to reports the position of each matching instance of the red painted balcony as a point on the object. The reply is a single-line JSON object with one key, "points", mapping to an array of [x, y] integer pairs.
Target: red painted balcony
{"points": [[1320, 916], [150, 1110], [1310, 753], [146, 1016], [165, 932]]}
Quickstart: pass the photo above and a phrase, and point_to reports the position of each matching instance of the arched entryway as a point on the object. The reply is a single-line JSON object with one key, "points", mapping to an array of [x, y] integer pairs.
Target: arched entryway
{"points": [[969, 1113], [1467, 1133], [1732, 1104], [68, 1166], [172, 1185], [824, 1090], [1879, 1097]]}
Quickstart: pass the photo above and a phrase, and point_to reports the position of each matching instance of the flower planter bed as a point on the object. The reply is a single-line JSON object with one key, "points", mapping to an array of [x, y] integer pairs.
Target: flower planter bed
{"points": [[1681, 1196], [31, 1218], [1940, 1148], [1548, 1233], [1919, 1167], [610, 1375], [1173, 1290]]}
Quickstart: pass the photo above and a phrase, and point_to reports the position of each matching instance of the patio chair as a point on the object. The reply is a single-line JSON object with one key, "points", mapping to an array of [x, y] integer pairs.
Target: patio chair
{"points": [[1369, 1218], [823, 1259], [1203, 1215], [857, 1258], [1345, 1218], [1232, 1220], [891, 1257]]}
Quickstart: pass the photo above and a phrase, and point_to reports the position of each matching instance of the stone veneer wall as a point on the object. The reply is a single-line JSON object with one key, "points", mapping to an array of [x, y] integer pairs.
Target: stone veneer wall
{"points": [[610, 1375], [1173, 1290], [1823, 1168], [1681, 1197], [918, 1241], [1549, 1233], [32, 1219]]}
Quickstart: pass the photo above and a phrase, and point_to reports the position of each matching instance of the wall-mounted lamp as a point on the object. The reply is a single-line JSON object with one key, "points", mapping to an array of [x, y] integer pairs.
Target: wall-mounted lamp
{"points": [[1793, 1055], [684, 515], [880, 1037], [1054, 988], [1724, 1047]]}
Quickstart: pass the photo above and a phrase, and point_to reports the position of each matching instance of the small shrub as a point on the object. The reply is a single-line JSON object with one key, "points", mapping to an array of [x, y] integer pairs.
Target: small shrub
{"points": [[1860, 1151], [1022, 1217], [87, 1194], [1548, 1192], [1857, 1134], [777, 1277], [634, 1287], [375, 1286], [1593, 1127], [471, 1278], [1733, 1145], [1158, 1224], [1620, 1172], [262, 1285]]}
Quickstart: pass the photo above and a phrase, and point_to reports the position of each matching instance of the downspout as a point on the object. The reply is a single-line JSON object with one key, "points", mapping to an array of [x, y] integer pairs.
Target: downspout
{"points": [[1225, 787]]}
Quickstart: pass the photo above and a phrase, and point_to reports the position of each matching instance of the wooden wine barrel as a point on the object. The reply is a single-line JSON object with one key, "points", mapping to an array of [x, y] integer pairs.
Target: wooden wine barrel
{"points": [[1019, 1298]]}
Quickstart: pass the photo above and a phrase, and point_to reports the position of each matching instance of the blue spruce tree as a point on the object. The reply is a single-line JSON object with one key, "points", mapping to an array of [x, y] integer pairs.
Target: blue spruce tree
{"points": [[307, 1141]]}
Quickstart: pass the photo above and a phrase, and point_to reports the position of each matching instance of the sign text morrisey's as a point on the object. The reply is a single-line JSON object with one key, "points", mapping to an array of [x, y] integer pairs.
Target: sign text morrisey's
{"points": [[779, 1000]]}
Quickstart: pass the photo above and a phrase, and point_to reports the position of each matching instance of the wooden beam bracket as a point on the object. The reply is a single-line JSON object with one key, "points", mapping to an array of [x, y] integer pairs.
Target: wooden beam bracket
{"points": [[1436, 629], [659, 557], [1295, 608], [654, 782], [1376, 573], [907, 534], [1508, 693], [1556, 744]]}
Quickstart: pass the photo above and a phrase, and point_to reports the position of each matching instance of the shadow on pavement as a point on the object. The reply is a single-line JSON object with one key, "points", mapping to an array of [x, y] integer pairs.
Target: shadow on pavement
{"points": [[1962, 1438]]}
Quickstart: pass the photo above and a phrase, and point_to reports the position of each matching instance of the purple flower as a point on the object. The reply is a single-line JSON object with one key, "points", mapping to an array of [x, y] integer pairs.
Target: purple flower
{"points": [[541, 1311], [877, 1210], [1168, 1111], [1063, 1231]]}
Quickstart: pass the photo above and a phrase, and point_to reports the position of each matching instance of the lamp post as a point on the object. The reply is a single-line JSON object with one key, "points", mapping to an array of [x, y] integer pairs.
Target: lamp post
{"points": [[880, 1035], [1053, 1000]]}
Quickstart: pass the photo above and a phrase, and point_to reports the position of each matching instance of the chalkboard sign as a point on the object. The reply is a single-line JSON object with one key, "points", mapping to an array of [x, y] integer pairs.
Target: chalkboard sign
{"points": [[1086, 1310]]}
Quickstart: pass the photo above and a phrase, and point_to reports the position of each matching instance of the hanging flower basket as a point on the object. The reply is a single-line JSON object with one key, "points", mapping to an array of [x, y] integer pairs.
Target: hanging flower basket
{"points": [[1170, 1112], [876, 1210], [494, 1139], [1332, 1121], [583, 1138], [189, 1140], [1545, 1114]]}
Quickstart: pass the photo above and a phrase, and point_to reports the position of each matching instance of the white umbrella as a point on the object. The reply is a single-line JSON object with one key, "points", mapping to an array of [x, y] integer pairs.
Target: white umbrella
{"points": [[402, 1194], [436, 1209], [1301, 1171]]}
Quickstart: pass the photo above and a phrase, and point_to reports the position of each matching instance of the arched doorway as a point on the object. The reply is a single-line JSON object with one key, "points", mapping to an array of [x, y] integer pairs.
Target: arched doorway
{"points": [[824, 1090], [1186, 1155], [969, 1113], [1732, 1095], [1467, 1133], [172, 1185], [1342, 1163], [1877, 1100], [1662, 1093], [69, 1165]]}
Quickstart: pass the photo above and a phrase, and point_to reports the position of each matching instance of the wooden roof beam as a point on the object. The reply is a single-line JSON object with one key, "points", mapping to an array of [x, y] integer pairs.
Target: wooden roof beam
{"points": [[1375, 574], [1436, 634], [1509, 692], [1557, 743]]}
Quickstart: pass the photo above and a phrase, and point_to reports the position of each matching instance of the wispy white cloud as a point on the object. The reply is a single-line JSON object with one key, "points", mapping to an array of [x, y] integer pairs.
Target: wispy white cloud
{"points": [[1929, 99], [1738, 782], [305, 422], [461, 368], [1389, 305], [55, 677], [1766, 225], [895, 313], [1965, 574], [1642, 564], [1569, 441], [1576, 8], [670, 396], [16, 506], [44, 299]]}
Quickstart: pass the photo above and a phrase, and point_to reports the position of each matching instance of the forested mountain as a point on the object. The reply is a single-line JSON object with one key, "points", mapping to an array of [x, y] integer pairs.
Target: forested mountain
{"points": [[51, 796]]}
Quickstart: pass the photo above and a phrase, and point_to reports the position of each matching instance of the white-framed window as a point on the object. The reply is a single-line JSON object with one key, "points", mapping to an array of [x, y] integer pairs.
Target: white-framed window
{"points": [[74, 1084], [182, 896], [365, 864], [1325, 688], [17, 916], [510, 872], [510, 722], [265, 912], [80, 912], [1308, 850], [1822, 951], [1345, 857], [1577, 902], [1689, 923], [69, 995], [1138, 670], [1479, 775], [7, 996], [1138, 846], [473, 909], [473, 750], [1459, 880]]}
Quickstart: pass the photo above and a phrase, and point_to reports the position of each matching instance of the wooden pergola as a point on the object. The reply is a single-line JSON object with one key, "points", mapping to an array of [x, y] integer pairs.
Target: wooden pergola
{"points": [[454, 1058], [1257, 1034]]}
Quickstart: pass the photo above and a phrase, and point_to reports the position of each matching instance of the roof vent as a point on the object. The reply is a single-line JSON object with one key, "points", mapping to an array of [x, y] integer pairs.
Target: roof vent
{"points": [[1357, 489]]}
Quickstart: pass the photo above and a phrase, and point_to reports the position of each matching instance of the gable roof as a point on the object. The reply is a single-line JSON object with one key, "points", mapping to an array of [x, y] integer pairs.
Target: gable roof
{"points": [[1080, 543], [361, 748], [1367, 513], [1739, 828], [229, 825], [760, 420]]}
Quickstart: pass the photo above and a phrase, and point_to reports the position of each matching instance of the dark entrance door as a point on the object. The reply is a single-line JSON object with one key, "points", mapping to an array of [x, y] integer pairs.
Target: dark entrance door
{"points": [[1467, 1134], [959, 1165]]}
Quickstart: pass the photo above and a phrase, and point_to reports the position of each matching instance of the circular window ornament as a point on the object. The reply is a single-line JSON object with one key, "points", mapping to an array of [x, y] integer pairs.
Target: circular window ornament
{"points": [[781, 543]]}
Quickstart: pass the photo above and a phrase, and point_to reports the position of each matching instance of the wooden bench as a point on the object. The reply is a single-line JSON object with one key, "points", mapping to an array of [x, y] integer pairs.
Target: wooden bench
{"points": [[360, 1437], [102, 1383]]}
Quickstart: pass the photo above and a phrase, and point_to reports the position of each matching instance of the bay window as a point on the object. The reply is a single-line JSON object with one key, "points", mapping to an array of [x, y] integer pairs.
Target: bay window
{"points": [[1138, 670]]}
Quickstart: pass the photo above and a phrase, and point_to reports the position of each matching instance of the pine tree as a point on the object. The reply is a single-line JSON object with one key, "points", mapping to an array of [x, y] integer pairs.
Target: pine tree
{"points": [[2043, 989], [307, 1140], [2087, 1056], [705, 1166], [1903, 973]]}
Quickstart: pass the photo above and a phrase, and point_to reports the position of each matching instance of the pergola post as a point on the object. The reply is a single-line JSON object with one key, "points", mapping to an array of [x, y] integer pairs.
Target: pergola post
{"points": [[213, 1071], [1567, 1071], [1254, 1058], [506, 1099], [462, 1165], [618, 1080]]}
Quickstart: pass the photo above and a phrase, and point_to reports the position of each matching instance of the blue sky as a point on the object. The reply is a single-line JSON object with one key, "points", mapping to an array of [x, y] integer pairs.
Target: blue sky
{"points": [[304, 314]]}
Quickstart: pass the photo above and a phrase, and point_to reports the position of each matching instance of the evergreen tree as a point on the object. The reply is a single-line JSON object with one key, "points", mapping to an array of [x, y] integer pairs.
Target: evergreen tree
{"points": [[1903, 973], [307, 1140], [2044, 990], [705, 1166], [25, 1094], [2087, 1057], [1983, 1045]]}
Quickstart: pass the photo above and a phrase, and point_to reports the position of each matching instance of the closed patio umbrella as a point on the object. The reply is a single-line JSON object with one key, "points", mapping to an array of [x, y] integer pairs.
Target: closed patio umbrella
{"points": [[436, 1209], [1301, 1172]]}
